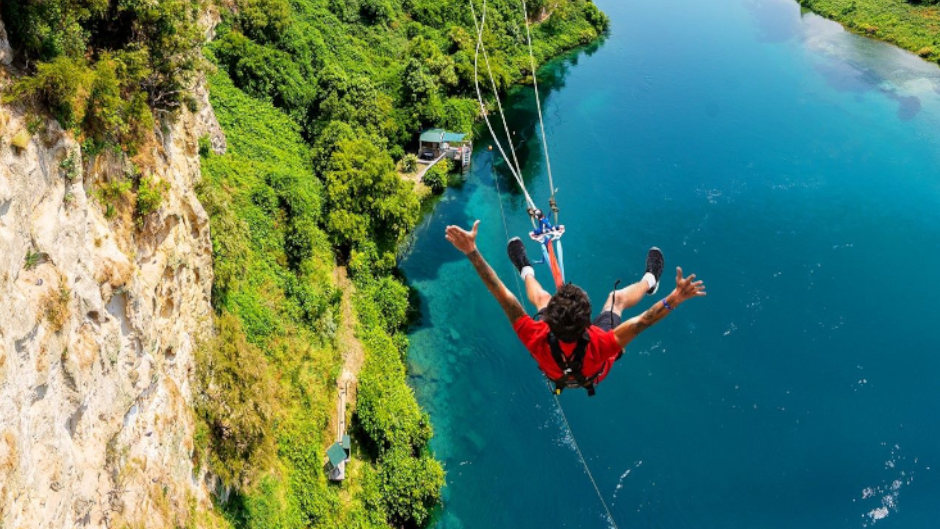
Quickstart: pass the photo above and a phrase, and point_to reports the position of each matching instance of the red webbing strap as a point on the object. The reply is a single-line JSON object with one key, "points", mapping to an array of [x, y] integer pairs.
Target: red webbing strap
{"points": [[553, 262]]}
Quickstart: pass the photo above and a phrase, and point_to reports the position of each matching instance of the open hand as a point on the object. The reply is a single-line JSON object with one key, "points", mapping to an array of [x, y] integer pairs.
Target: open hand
{"points": [[463, 240], [687, 288]]}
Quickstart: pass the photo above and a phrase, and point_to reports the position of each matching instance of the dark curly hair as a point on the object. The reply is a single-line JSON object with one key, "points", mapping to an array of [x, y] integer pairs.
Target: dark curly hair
{"points": [[568, 313]]}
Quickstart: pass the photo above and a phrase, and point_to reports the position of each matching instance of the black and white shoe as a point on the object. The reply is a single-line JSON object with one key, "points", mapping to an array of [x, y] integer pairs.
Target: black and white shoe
{"points": [[516, 251], [654, 265]]}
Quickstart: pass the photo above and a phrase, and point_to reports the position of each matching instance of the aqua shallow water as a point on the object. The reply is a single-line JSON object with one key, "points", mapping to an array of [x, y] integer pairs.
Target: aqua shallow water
{"points": [[794, 167]]}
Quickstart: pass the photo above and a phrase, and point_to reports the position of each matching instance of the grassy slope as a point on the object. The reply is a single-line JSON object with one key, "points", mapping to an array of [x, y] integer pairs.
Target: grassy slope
{"points": [[910, 26], [287, 312]]}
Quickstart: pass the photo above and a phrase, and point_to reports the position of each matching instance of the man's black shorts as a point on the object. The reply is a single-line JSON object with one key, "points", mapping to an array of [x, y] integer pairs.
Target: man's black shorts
{"points": [[607, 320]]}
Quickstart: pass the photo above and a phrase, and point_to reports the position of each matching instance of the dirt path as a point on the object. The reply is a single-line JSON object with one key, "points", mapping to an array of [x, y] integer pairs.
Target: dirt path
{"points": [[352, 350]]}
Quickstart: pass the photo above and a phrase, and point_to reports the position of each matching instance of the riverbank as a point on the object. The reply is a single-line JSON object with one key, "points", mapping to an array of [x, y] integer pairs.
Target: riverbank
{"points": [[914, 27]]}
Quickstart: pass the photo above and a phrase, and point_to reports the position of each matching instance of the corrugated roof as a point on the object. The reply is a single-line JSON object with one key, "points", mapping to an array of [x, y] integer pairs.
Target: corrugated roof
{"points": [[441, 135], [336, 454], [454, 137], [346, 443]]}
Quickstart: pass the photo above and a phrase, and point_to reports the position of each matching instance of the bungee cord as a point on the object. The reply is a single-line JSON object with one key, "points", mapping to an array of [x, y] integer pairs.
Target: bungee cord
{"points": [[514, 168], [587, 469], [538, 107], [544, 232]]}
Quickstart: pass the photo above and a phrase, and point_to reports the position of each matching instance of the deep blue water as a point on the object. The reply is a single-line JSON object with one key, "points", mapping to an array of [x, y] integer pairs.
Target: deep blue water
{"points": [[794, 168]]}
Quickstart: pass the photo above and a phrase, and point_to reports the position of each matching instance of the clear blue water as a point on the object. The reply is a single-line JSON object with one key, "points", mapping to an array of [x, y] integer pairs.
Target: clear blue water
{"points": [[794, 167]]}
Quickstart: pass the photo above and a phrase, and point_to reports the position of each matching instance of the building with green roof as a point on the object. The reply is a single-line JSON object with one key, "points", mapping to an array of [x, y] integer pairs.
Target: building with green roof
{"points": [[336, 456], [435, 143]]}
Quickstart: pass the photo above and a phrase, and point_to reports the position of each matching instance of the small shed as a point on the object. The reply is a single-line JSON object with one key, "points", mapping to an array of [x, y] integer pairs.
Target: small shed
{"points": [[434, 142], [337, 455]]}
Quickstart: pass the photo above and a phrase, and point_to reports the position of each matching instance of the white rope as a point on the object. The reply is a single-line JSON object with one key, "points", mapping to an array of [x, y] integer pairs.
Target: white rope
{"points": [[538, 104], [610, 517], [499, 105], [516, 171], [502, 214]]}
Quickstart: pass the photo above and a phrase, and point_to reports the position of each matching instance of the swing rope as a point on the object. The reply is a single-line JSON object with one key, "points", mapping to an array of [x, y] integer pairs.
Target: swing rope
{"points": [[514, 168], [538, 107]]}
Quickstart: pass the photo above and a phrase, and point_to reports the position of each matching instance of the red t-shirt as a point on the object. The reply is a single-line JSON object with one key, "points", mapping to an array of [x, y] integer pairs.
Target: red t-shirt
{"points": [[598, 357]]}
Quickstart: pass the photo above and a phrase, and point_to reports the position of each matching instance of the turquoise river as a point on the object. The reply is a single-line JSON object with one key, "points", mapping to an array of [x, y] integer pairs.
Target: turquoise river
{"points": [[795, 168]]}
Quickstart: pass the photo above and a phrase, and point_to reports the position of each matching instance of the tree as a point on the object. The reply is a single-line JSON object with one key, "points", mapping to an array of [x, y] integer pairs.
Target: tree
{"points": [[366, 197], [436, 177], [411, 486]]}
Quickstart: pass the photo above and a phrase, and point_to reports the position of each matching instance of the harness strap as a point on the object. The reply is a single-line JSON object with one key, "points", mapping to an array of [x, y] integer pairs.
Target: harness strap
{"points": [[572, 374]]}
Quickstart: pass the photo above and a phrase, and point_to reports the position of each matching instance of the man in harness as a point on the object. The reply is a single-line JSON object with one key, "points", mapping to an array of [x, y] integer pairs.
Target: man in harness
{"points": [[570, 349]]}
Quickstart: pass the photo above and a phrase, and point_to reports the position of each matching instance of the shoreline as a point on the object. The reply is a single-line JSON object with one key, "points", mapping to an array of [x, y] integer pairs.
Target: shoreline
{"points": [[895, 22]]}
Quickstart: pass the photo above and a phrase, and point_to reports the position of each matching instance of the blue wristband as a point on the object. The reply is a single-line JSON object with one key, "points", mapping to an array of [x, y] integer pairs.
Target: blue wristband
{"points": [[666, 304]]}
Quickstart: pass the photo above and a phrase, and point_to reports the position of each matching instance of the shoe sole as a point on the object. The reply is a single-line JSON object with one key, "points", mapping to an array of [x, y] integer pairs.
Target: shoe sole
{"points": [[523, 249], [663, 257]]}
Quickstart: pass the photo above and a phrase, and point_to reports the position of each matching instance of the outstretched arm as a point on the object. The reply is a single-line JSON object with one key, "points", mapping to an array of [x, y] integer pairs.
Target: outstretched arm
{"points": [[466, 242], [685, 290]]}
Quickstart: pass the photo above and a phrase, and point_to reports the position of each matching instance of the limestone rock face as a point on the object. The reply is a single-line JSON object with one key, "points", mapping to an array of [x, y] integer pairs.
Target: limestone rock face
{"points": [[99, 319], [6, 54]]}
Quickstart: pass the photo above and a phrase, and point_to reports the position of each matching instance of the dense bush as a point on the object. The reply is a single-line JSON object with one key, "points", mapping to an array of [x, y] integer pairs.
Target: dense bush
{"points": [[436, 177], [390, 67], [409, 479], [237, 403], [101, 65], [103, 100], [273, 269], [266, 73], [408, 164], [61, 85], [365, 198]]}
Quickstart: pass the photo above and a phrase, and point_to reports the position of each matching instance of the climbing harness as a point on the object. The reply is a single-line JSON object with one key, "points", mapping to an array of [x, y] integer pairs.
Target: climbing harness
{"points": [[572, 375]]}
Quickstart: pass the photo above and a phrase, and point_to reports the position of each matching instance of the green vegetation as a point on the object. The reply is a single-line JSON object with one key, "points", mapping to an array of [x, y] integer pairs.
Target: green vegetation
{"points": [[70, 166], [32, 259], [381, 70], [408, 164], [408, 478], [267, 381], [145, 57], [365, 198], [21, 139], [149, 196], [436, 178], [137, 195], [318, 99], [914, 26], [114, 194]]}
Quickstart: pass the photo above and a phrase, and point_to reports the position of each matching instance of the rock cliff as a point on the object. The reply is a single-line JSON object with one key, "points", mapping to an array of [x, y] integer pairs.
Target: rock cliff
{"points": [[99, 320]]}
